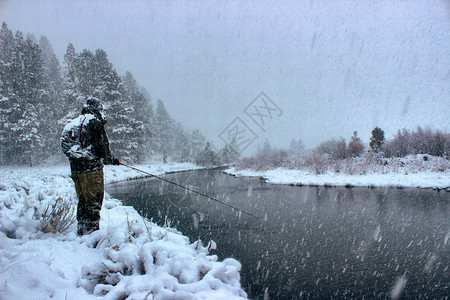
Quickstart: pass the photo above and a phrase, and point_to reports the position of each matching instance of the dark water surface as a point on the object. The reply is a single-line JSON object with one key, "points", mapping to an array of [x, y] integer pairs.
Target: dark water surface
{"points": [[311, 242]]}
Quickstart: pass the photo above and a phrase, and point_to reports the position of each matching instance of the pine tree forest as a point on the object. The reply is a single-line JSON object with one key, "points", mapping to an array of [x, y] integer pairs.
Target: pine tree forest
{"points": [[39, 95]]}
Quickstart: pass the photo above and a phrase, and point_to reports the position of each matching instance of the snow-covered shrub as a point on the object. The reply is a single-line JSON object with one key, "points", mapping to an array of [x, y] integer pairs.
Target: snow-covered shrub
{"points": [[441, 165], [144, 261], [57, 217], [266, 160], [368, 163], [374, 163], [245, 163], [419, 141], [317, 163], [278, 158], [337, 149]]}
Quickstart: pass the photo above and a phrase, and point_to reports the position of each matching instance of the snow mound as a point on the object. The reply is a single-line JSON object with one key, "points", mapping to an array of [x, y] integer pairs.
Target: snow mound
{"points": [[129, 258]]}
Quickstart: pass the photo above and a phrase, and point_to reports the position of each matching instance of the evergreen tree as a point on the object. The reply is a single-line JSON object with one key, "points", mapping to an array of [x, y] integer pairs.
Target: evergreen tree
{"points": [[197, 143], [185, 150], [207, 157], [86, 77], [141, 102], [228, 155], [70, 58], [34, 122], [163, 126], [180, 145], [23, 107], [377, 140], [52, 98], [52, 66], [8, 100], [72, 98], [6, 59], [266, 149], [126, 131]]}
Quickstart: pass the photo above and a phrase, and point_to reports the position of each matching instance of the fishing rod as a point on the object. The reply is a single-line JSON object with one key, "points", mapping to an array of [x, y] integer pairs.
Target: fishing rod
{"points": [[189, 189]]}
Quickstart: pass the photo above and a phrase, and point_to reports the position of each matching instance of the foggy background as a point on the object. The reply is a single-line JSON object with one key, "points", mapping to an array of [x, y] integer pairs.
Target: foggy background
{"points": [[332, 67]]}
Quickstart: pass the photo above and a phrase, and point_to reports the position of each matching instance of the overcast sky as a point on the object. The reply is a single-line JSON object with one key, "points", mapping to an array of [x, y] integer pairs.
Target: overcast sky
{"points": [[331, 67]]}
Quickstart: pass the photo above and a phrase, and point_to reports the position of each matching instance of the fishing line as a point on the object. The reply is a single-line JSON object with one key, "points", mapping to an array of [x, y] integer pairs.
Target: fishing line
{"points": [[191, 190]]}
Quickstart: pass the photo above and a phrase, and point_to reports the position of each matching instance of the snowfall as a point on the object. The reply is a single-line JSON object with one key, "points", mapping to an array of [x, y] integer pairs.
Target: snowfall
{"points": [[128, 258], [411, 171]]}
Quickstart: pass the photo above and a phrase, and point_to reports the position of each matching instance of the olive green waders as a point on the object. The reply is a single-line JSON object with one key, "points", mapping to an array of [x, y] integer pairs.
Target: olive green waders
{"points": [[90, 190]]}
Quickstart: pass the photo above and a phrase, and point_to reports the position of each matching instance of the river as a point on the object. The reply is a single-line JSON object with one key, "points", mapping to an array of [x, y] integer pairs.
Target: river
{"points": [[310, 242]]}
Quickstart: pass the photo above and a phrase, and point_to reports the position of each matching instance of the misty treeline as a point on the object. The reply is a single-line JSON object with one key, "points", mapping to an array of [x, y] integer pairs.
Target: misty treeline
{"points": [[39, 95], [355, 157]]}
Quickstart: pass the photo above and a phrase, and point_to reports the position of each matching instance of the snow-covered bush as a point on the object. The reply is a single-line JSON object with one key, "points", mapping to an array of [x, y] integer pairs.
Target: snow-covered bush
{"points": [[368, 163], [316, 163], [264, 161], [144, 261], [419, 141], [337, 149]]}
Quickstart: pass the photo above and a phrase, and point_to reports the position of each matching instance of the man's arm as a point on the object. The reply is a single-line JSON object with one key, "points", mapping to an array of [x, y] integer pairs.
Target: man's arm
{"points": [[102, 144]]}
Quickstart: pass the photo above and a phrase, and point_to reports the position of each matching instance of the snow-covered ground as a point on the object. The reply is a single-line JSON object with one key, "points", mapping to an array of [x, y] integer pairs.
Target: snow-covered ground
{"points": [[129, 258], [430, 179], [411, 171]]}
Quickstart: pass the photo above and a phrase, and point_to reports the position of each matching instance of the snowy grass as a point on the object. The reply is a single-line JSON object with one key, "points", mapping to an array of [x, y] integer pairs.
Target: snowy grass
{"points": [[57, 217], [129, 257], [423, 171]]}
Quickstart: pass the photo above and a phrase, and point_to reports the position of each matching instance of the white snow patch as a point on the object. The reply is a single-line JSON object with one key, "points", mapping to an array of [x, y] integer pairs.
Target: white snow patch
{"points": [[129, 256]]}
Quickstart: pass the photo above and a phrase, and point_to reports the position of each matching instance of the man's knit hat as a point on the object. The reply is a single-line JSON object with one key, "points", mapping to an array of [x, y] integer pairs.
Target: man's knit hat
{"points": [[93, 104]]}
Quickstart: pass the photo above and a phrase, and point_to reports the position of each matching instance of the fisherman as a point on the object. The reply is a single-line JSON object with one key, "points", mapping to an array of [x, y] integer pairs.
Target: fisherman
{"points": [[85, 143]]}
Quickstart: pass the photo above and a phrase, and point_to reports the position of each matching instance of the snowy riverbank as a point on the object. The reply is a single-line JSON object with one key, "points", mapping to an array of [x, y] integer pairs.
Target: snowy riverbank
{"points": [[424, 179], [129, 256]]}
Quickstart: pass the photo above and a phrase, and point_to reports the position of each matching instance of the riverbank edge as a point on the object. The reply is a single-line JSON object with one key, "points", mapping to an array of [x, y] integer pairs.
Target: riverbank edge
{"points": [[149, 171], [422, 180], [113, 212]]}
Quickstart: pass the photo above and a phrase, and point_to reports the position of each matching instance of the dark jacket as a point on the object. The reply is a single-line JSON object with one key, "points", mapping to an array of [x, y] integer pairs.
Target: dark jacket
{"points": [[85, 143]]}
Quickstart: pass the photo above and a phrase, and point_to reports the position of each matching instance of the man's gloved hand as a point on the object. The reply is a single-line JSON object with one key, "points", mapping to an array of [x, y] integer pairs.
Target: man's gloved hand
{"points": [[115, 161]]}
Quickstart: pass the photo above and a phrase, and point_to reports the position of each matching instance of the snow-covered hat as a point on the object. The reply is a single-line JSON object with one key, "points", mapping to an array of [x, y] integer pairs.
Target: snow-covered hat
{"points": [[93, 104]]}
